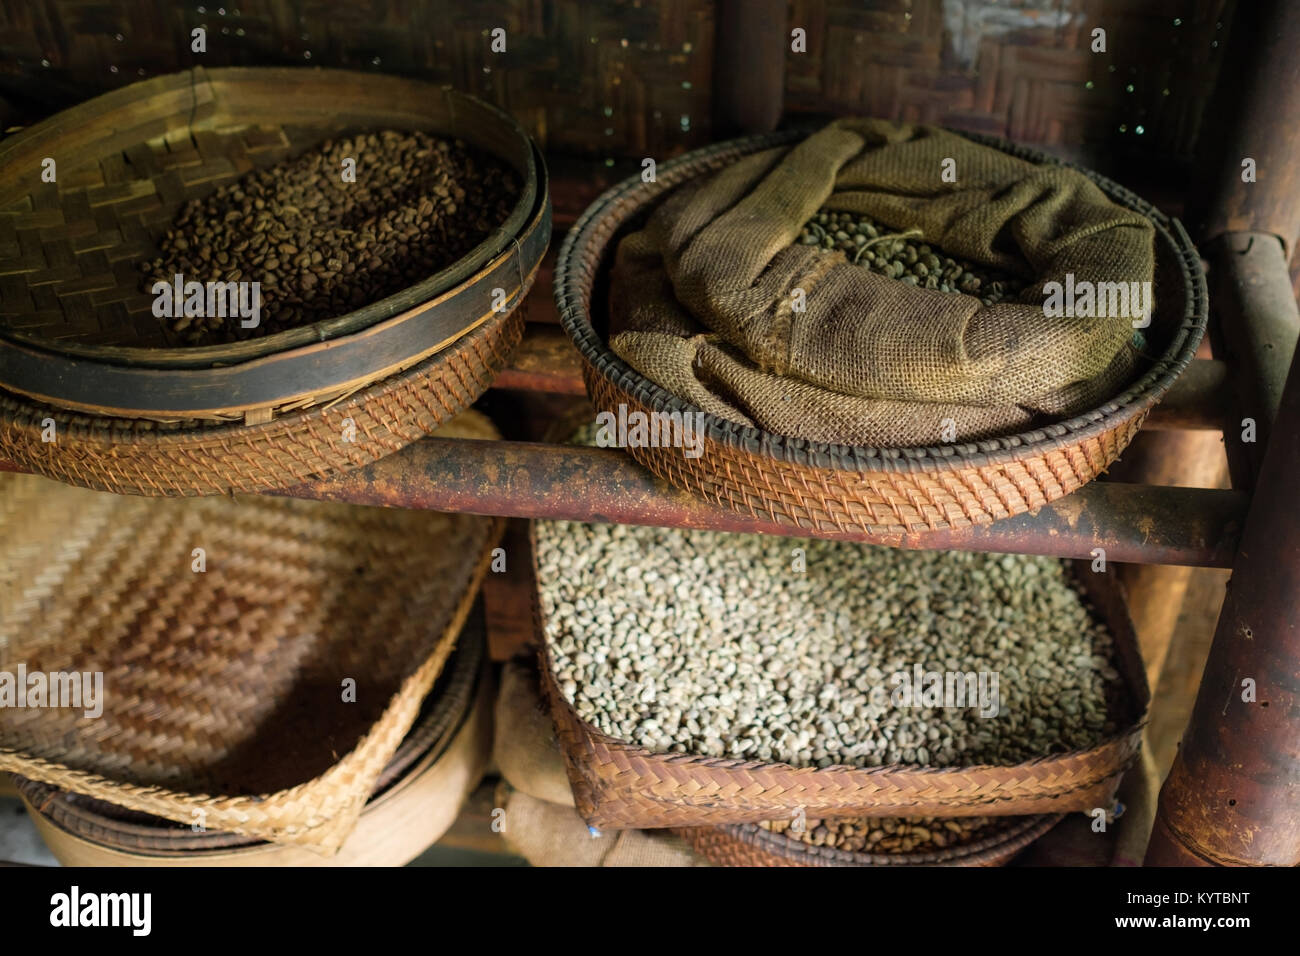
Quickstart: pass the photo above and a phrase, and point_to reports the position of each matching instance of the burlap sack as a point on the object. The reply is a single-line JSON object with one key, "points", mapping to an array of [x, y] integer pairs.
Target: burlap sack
{"points": [[525, 749], [703, 297], [546, 834]]}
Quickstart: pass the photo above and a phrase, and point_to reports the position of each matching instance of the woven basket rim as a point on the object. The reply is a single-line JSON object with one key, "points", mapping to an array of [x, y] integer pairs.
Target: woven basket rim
{"points": [[429, 737], [358, 351], [1117, 740], [459, 751], [1007, 839], [445, 280], [1124, 743], [571, 276], [324, 823], [144, 457], [219, 432]]}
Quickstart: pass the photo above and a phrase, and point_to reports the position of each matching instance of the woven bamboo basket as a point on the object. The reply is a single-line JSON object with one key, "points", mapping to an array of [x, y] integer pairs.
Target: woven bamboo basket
{"points": [[261, 659], [750, 845], [884, 492], [415, 800], [93, 392], [619, 785]]}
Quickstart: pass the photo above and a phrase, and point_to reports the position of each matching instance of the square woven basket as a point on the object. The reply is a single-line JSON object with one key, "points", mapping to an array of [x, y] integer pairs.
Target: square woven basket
{"points": [[224, 685], [618, 785]]}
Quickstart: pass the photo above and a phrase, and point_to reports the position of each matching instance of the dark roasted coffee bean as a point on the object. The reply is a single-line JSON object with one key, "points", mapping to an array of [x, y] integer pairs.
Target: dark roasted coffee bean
{"points": [[321, 247]]}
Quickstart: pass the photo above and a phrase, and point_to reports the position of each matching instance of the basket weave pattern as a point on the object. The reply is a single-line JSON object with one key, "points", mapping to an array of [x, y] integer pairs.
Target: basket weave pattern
{"points": [[132, 413], [70, 250], [618, 785], [146, 458], [751, 845], [877, 491], [878, 502], [129, 830], [394, 828], [76, 273], [222, 690]]}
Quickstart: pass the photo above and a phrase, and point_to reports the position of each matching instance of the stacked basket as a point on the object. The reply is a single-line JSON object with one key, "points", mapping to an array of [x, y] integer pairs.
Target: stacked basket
{"points": [[617, 784], [273, 680], [718, 802], [751, 845], [885, 494], [413, 802], [92, 391]]}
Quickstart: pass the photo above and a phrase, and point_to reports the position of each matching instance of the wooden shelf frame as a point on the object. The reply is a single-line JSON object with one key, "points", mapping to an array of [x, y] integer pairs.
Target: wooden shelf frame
{"points": [[1132, 523], [1233, 796]]}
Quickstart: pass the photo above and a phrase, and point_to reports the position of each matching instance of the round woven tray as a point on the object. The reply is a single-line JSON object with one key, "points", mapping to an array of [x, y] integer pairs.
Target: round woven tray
{"points": [[225, 686], [92, 393], [751, 845], [140, 457], [878, 491], [619, 785], [416, 800]]}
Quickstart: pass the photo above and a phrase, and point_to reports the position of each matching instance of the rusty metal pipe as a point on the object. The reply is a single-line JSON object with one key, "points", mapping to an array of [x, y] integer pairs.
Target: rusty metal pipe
{"points": [[1134, 523], [1255, 335], [1233, 795]]}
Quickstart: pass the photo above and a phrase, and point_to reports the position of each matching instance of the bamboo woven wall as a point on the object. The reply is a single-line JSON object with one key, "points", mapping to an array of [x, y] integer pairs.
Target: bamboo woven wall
{"points": [[632, 77], [1021, 69], [594, 77]]}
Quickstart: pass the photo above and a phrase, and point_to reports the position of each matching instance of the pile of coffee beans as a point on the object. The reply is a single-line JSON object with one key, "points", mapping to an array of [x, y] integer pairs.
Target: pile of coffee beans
{"points": [[886, 834], [322, 242], [785, 650], [903, 256]]}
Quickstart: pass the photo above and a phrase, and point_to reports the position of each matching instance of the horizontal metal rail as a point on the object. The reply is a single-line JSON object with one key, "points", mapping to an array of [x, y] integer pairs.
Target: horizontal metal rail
{"points": [[545, 361], [1132, 523]]}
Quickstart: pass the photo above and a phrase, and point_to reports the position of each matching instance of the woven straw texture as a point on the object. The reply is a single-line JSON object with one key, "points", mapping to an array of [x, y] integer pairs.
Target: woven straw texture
{"points": [[879, 491], [902, 59], [412, 813], [222, 689], [70, 250], [618, 785], [94, 394], [129, 830], [139, 457], [750, 845]]}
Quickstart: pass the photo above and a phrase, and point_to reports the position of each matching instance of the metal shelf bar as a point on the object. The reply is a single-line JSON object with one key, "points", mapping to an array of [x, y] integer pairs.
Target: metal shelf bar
{"points": [[1233, 795], [1133, 523]]}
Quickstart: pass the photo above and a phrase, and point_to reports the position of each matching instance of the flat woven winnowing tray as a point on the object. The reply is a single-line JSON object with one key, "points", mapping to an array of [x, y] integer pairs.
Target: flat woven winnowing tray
{"points": [[261, 659]]}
